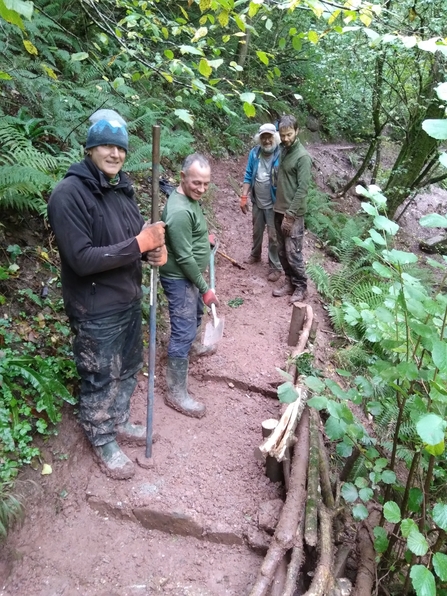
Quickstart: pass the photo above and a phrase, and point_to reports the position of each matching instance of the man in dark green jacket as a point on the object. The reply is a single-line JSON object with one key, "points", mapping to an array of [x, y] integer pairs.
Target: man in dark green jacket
{"points": [[182, 279], [294, 177]]}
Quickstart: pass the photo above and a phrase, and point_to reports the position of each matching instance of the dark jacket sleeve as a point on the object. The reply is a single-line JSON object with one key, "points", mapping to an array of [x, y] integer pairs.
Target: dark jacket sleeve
{"points": [[79, 231]]}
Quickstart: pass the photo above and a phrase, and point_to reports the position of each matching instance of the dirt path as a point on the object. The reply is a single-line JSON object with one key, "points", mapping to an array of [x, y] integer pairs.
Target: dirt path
{"points": [[181, 527]]}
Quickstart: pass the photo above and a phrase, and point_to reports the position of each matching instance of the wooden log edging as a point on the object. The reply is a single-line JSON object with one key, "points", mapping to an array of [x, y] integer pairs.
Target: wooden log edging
{"points": [[292, 512]]}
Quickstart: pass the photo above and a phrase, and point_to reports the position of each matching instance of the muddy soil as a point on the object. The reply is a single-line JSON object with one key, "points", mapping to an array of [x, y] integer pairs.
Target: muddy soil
{"points": [[187, 525]]}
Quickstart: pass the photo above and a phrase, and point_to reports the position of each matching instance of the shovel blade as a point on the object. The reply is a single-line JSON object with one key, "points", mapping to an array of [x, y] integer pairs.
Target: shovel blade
{"points": [[213, 333]]}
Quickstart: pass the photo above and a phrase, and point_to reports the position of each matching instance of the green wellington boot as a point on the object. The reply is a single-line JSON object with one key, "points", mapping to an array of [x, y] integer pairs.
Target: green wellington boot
{"points": [[131, 434], [177, 395], [198, 350], [113, 462]]}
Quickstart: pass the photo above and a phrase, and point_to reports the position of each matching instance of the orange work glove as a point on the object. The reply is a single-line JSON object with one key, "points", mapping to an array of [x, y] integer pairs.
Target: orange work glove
{"points": [[243, 204], [212, 239], [210, 298]]}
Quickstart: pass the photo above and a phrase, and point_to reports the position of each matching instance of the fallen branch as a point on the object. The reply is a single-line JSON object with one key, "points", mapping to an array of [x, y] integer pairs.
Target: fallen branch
{"points": [[291, 513], [366, 572], [325, 480], [296, 560], [311, 519], [323, 578]]}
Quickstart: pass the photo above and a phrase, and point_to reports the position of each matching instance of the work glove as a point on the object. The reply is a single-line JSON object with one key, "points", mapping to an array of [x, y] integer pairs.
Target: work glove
{"points": [[212, 239], [243, 204], [157, 257], [151, 236], [287, 223], [210, 298]]}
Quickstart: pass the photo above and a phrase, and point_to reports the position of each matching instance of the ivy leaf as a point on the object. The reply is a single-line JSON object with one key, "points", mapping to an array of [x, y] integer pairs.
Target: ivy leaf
{"points": [[247, 97], [437, 129], [366, 494], [415, 499], [440, 515], [407, 526], [185, 115], [383, 223], [79, 56], [204, 68], [430, 429], [343, 449], [391, 512], [359, 512], [287, 393], [263, 57], [249, 110], [319, 402], [335, 429], [423, 581], [388, 477], [381, 539], [439, 355], [433, 220], [382, 270], [349, 492], [417, 544], [315, 384], [440, 565]]}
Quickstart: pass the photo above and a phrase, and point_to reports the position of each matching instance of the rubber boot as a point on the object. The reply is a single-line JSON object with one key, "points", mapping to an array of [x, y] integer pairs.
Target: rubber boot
{"points": [[177, 394], [198, 350], [286, 289], [113, 462], [131, 434]]}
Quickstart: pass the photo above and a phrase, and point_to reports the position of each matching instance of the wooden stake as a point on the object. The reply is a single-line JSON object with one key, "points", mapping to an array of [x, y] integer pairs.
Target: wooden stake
{"points": [[273, 469], [296, 323]]}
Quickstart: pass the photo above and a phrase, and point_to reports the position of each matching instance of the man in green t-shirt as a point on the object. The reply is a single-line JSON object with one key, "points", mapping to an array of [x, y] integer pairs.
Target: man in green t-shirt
{"points": [[294, 177], [188, 247]]}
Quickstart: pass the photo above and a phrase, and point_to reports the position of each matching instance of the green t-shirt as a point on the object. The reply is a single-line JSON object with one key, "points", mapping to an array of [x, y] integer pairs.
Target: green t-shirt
{"points": [[186, 240]]}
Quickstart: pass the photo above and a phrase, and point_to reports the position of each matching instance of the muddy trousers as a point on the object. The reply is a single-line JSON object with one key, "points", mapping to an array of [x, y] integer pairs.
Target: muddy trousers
{"points": [[290, 251], [108, 353], [185, 313], [261, 219]]}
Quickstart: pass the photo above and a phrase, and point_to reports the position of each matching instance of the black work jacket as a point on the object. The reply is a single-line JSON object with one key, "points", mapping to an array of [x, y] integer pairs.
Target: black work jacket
{"points": [[95, 225]]}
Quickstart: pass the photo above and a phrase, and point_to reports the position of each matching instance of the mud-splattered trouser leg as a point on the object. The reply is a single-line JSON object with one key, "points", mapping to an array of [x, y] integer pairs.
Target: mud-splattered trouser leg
{"points": [[290, 251], [108, 354], [185, 312]]}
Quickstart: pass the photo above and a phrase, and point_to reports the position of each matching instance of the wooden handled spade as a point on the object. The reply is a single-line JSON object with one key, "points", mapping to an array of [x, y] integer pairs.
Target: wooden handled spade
{"points": [[214, 329]]}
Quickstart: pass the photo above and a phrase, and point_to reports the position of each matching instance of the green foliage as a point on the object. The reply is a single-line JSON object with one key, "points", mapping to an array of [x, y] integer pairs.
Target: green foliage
{"points": [[11, 509], [403, 388], [35, 370]]}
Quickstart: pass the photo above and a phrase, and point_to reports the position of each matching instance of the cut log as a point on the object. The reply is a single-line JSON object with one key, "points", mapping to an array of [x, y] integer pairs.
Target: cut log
{"points": [[323, 579], [325, 479], [291, 513], [283, 436], [304, 337], [296, 560], [311, 519], [366, 571]]}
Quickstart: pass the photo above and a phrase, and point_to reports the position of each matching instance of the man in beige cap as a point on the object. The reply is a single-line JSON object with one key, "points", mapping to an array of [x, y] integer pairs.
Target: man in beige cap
{"points": [[260, 182]]}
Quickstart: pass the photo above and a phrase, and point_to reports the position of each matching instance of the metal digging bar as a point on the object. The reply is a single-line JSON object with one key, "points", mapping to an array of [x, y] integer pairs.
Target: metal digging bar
{"points": [[153, 292]]}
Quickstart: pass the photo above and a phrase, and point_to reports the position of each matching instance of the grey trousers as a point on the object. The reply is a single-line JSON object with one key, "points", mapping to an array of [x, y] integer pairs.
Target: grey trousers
{"points": [[262, 218]]}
